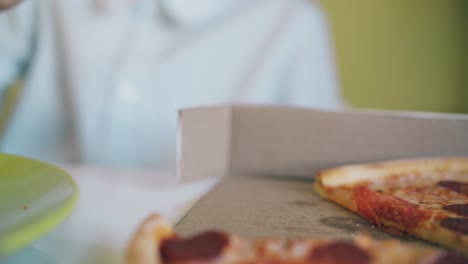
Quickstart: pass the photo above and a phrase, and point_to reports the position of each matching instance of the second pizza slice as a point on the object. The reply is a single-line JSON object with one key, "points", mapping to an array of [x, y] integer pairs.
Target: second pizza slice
{"points": [[425, 198]]}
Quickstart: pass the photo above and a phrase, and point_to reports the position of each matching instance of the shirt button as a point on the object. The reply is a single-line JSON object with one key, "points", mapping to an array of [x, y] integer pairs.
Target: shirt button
{"points": [[128, 93]]}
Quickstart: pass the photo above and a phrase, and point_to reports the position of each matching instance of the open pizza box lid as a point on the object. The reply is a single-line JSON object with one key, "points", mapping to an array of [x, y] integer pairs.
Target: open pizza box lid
{"points": [[268, 156]]}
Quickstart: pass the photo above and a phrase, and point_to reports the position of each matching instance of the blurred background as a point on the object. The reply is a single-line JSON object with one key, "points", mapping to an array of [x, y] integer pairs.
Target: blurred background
{"points": [[398, 54], [103, 85]]}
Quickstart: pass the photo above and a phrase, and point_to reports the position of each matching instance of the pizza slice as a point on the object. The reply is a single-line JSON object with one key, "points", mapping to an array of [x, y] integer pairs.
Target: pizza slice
{"points": [[425, 198], [156, 243]]}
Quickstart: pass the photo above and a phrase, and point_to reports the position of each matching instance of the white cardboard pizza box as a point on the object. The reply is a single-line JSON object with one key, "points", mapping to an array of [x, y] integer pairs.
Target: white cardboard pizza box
{"points": [[268, 156]]}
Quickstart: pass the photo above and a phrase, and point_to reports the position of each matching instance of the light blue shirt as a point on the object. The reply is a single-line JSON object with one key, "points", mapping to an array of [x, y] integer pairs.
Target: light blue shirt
{"points": [[104, 78]]}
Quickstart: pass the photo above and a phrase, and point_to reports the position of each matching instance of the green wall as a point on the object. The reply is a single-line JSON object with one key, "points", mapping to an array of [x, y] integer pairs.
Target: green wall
{"points": [[402, 54]]}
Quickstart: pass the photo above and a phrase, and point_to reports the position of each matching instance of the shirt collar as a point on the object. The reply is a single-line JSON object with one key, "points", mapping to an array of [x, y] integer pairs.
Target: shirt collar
{"points": [[181, 13], [191, 13]]}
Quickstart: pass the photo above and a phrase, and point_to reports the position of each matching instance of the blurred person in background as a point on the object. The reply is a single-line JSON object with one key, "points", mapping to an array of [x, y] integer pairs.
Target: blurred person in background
{"points": [[100, 81]]}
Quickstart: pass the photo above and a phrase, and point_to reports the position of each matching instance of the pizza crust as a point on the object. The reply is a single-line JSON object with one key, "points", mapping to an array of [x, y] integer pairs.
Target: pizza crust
{"points": [[144, 244], [351, 174]]}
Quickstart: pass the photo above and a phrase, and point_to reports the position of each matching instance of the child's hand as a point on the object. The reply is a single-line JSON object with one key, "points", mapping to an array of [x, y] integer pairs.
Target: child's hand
{"points": [[5, 4]]}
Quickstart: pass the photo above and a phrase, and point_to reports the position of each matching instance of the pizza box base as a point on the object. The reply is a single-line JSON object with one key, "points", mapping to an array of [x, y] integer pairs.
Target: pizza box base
{"points": [[268, 156], [274, 207]]}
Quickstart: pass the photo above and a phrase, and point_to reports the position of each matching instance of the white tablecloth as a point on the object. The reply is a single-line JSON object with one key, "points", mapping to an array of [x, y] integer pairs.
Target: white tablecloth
{"points": [[110, 206]]}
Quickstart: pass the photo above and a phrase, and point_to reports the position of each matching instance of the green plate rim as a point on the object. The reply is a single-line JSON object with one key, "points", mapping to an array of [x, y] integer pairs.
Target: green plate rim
{"points": [[11, 243]]}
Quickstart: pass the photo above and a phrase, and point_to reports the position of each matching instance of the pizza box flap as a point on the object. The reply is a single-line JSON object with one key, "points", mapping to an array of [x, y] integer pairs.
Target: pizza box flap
{"points": [[284, 141]]}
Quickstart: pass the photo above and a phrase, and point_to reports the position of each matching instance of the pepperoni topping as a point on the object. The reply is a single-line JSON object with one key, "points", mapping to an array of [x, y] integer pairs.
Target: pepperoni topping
{"points": [[372, 205], [337, 253], [205, 246], [451, 258], [456, 186], [460, 209], [360, 196], [459, 225]]}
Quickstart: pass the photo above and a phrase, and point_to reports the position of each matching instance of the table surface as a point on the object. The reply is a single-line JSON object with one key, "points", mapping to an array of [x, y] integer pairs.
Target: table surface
{"points": [[111, 204]]}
